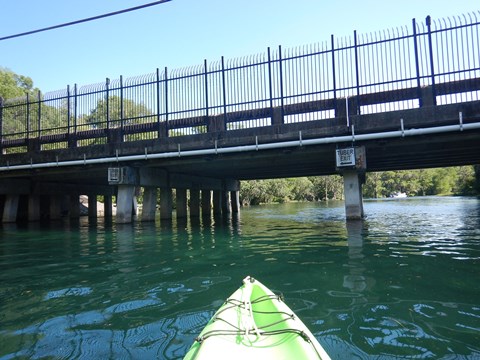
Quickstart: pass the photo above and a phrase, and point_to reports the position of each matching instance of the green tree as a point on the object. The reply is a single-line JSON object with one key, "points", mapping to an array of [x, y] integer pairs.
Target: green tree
{"points": [[13, 85], [132, 112]]}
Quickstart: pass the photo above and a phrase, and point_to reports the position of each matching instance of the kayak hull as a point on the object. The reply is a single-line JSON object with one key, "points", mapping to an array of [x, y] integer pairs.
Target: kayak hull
{"points": [[254, 323]]}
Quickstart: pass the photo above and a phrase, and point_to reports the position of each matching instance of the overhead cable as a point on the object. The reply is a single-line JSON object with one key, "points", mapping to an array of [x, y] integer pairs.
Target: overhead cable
{"points": [[84, 20]]}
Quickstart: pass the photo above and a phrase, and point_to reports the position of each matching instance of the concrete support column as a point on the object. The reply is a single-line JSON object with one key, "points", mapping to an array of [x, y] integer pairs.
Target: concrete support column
{"points": [[235, 200], [107, 206], [194, 202], [149, 204], [55, 207], [353, 195], [74, 206], [33, 208], [92, 206], [165, 203], [10, 208], [226, 206], [181, 203], [217, 202], [125, 204], [206, 202]]}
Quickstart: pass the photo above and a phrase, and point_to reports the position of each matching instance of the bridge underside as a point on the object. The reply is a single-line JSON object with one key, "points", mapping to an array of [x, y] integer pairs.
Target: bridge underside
{"points": [[201, 162]]}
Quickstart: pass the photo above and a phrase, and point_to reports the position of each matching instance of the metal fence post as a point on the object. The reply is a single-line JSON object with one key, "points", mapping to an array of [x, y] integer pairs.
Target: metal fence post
{"points": [[357, 75], [430, 49], [122, 114], [334, 76], [281, 78], [107, 102], [157, 86], [27, 120], [205, 69], [39, 118], [69, 114], [270, 86], [224, 91], [417, 63]]}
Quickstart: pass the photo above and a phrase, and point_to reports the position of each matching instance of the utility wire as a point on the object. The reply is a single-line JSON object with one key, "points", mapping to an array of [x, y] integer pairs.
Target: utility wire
{"points": [[84, 20]]}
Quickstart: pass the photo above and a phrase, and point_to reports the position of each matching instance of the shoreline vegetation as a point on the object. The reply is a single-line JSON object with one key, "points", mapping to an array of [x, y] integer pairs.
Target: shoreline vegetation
{"points": [[460, 181]]}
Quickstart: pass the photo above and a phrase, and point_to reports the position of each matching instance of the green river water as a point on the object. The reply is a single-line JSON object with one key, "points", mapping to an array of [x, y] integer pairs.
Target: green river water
{"points": [[402, 284]]}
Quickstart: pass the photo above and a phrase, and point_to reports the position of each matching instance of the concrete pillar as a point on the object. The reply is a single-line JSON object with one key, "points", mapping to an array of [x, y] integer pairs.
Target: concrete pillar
{"points": [[235, 200], [33, 208], [10, 208], [353, 195], [165, 203], [107, 206], [226, 206], [124, 204], [206, 203], [55, 207], [181, 203], [194, 202], [92, 206], [149, 204], [217, 202]]}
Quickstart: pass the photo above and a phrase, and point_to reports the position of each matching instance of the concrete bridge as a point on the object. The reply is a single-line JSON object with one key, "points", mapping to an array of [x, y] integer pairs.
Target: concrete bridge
{"points": [[370, 103]]}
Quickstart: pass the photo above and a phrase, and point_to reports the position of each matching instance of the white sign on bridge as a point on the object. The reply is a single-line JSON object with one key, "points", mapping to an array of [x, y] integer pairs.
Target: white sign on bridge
{"points": [[346, 157]]}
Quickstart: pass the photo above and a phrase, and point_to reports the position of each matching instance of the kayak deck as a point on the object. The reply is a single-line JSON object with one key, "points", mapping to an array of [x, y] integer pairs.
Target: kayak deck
{"points": [[255, 323]]}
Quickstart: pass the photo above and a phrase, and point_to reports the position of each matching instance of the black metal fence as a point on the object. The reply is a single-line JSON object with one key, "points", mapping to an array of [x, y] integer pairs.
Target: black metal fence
{"points": [[244, 92]]}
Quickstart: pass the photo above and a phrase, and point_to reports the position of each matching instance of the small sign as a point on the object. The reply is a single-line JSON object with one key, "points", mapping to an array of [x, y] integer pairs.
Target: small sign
{"points": [[346, 157], [114, 175]]}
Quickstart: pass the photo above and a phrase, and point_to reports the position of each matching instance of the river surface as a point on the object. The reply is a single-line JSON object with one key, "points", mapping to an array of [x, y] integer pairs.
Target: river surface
{"points": [[403, 283]]}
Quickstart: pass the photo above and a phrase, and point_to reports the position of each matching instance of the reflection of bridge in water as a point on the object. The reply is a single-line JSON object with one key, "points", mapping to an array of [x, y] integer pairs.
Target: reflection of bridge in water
{"points": [[401, 99]]}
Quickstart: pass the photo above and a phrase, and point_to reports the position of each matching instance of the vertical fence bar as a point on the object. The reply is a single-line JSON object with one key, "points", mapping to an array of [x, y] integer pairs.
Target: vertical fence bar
{"points": [[357, 76], [334, 77], [157, 84], [270, 86], [75, 111], [206, 85], [27, 120], [122, 112], [1, 125], [69, 112], [281, 78], [224, 90], [39, 117], [107, 101], [166, 97], [417, 63], [430, 49]]}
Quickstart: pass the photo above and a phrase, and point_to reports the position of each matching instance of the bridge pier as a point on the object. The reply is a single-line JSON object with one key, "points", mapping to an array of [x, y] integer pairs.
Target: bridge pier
{"points": [[10, 209], [125, 204], [352, 185], [149, 203]]}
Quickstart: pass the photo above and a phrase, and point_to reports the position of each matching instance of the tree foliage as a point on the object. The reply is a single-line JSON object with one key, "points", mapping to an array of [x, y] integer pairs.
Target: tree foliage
{"points": [[441, 181]]}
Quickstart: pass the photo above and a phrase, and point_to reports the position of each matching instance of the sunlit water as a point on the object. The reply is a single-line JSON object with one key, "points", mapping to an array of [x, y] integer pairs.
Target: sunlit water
{"points": [[404, 283]]}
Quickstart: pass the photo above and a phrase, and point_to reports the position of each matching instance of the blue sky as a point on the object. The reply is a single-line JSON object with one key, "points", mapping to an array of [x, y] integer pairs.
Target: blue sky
{"points": [[184, 32]]}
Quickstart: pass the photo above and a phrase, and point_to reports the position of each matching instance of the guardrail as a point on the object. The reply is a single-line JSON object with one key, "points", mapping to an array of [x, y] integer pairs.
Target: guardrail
{"points": [[431, 63]]}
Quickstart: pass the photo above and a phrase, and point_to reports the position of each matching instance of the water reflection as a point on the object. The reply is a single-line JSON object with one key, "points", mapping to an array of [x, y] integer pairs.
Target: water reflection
{"points": [[380, 288]]}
